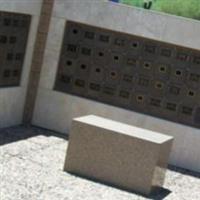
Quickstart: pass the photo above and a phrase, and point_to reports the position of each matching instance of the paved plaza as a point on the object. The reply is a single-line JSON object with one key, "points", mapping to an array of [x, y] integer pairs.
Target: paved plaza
{"points": [[31, 168]]}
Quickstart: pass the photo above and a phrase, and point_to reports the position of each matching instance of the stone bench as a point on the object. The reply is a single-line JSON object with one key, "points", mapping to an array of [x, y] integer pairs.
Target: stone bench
{"points": [[118, 154]]}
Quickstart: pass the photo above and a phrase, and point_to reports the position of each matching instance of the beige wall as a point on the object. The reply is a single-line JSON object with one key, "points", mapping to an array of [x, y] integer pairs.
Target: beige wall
{"points": [[12, 98], [55, 110]]}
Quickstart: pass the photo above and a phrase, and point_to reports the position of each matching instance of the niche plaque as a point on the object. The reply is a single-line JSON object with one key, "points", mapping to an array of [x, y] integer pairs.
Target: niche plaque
{"points": [[136, 73], [14, 30]]}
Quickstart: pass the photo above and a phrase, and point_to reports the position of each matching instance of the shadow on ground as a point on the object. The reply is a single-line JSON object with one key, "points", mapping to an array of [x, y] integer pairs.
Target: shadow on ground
{"points": [[158, 194], [184, 171], [17, 133]]}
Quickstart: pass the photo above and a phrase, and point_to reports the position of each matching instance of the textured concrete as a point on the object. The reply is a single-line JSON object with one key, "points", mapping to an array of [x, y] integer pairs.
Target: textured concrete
{"points": [[31, 7], [128, 157], [37, 60], [31, 167], [55, 110], [12, 98]]}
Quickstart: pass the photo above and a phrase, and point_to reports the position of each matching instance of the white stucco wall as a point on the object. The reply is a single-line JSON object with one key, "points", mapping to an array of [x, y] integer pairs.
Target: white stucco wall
{"points": [[12, 98], [55, 110]]}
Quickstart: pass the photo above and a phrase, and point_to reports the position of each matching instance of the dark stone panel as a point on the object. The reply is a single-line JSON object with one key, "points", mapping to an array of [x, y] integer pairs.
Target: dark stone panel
{"points": [[129, 71], [14, 29]]}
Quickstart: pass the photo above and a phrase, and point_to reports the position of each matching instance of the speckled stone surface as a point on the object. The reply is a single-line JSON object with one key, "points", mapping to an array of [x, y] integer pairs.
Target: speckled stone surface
{"points": [[31, 168], [116, 153]]}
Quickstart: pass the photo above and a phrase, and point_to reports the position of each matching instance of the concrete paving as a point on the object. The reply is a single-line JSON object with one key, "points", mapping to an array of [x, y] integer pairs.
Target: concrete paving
{"points": [[31, 168]]}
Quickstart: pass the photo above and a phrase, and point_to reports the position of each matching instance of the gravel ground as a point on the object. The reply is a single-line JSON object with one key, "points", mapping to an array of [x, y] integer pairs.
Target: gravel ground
{"points": [[31, 163]]}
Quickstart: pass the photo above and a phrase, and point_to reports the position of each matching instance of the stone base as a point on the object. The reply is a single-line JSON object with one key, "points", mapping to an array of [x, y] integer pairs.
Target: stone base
{"points": [[125, 156]]}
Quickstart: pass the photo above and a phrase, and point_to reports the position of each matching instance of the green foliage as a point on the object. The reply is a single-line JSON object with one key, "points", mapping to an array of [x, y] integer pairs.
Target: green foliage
{"points": [[138, 3], [186, 8]]}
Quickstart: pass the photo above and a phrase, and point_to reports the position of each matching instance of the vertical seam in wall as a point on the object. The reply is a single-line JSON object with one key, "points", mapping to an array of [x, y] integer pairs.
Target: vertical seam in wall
{"points": [[37, 60]]}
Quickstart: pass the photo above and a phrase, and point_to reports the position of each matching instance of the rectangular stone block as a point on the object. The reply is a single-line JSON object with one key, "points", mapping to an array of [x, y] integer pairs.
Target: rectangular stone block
{"points": [[125, 156]]}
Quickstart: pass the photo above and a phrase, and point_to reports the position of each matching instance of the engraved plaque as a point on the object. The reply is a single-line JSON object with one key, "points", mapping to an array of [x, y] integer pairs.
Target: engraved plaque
{"points": [[136, 73], [14, 29]]}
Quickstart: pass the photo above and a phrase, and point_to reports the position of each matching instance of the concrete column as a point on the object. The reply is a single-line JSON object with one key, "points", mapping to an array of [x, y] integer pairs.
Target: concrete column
{"points": [[37, 60]]}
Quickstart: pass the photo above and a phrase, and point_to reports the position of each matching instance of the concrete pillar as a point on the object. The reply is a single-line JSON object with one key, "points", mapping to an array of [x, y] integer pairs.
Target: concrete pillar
{"points": [[37, 61]]}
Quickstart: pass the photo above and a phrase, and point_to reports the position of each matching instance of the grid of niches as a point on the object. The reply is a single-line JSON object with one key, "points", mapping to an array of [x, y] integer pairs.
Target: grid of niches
{"points": [[14, 30], [132, 72]]}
